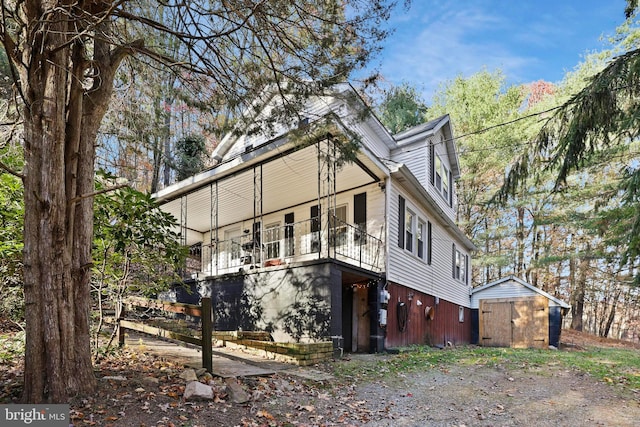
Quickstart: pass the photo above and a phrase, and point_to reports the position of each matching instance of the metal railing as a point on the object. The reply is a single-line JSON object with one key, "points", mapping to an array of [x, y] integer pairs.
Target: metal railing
{"points": [[299, 241]]}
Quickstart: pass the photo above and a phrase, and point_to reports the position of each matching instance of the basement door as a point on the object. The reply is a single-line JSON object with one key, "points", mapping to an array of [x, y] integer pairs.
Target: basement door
{"points": [[514, 322], [360, 322]]}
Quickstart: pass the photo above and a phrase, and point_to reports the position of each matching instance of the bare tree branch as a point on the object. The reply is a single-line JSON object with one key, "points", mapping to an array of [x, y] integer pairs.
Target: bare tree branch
{"points": [[96, 193], [11, 171]]}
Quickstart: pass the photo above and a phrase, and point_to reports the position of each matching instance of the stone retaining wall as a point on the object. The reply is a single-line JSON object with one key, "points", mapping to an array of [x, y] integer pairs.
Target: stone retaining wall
{"points": [[302, 354]]}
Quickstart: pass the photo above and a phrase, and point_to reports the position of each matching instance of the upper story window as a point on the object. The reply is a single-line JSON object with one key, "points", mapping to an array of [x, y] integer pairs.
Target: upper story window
{"points": [[410, 220], [338, 224], [420, 233], [442, 178], [414, 232], [272, 241], [440, 174]]}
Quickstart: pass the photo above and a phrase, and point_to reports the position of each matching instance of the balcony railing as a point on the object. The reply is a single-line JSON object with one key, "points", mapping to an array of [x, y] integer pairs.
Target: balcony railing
{"points": [[300, 241]]}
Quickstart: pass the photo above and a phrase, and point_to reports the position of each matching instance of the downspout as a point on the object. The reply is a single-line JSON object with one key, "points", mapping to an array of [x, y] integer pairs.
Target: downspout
{"points": [[319, 199], [213, 228], [387, 201], [212, 269], [331, 146]]}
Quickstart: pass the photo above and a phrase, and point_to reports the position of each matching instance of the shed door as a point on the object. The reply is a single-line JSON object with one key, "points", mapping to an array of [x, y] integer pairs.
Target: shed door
{"points": [[518, 323], [495, 323]]}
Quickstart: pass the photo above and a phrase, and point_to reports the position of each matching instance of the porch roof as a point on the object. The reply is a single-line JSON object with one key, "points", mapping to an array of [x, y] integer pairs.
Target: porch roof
{"points": [[289, 178]]}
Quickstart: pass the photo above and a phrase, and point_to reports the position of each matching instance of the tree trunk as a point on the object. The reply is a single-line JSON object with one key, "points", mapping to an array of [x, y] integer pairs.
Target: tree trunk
{"points": [[558, 279], [576, 321], [578, 294], [532, 271], [167, 142], [61, 124], [57, 354], [604, 332], [520, 235], [487, 250]]}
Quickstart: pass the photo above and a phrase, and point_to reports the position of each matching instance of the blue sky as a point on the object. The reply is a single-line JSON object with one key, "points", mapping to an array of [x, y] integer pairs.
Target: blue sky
{"points": [[436, 41]]}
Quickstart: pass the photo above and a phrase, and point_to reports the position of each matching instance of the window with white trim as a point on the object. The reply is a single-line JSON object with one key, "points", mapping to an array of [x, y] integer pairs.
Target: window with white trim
{"points": [[272, 241], [414, 232], [438, 182], [460, 263], [420, 233], [338, 225], [445, 183], [409, 225], [442, 183]]}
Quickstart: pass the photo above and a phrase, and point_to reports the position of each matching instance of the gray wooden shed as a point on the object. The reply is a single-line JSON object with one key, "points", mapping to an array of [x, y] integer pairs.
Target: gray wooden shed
{"points": [[510, 312]]}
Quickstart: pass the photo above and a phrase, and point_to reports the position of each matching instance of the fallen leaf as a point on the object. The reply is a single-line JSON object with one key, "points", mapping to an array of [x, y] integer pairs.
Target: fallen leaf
{"points": [[77, 415], [309, 408], [264, 414]]}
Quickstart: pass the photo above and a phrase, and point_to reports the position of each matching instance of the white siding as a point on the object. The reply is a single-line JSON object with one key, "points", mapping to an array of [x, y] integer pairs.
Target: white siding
{"points": [[315, 109], [372, 141], [441, 151], [416, 158], [408, 270]]}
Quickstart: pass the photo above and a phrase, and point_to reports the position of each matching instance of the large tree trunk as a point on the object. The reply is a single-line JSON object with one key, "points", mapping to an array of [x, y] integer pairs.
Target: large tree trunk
{"points": [[61, 124], [57, 355]]}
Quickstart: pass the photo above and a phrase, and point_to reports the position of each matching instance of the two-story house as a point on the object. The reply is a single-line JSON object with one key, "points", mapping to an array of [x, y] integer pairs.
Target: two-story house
{"points": [[293, 240]]}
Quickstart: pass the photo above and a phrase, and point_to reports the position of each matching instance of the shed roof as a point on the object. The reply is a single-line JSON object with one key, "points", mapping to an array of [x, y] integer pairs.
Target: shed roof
{"points": [[523, 283]]}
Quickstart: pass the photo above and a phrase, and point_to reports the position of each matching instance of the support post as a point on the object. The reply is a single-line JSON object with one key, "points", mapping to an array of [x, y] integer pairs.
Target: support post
{"points": [[183, 220], [213, 228], [119, 317], [207, 333]]}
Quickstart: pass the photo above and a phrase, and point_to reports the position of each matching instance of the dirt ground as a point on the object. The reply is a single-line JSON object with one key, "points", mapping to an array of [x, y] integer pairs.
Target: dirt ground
{"points": [[458, 395]]}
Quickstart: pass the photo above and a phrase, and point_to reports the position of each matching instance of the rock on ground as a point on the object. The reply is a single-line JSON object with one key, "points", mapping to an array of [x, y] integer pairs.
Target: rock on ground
{"points": [[195, 390]]}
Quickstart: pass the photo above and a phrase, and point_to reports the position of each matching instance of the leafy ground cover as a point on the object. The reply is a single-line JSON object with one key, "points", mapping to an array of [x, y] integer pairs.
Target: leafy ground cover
{"points": [[612, 365], [588, 381]]}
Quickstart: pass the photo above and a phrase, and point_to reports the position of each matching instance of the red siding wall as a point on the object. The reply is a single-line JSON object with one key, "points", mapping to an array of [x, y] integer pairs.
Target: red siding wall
{"points": [[445, 325]]}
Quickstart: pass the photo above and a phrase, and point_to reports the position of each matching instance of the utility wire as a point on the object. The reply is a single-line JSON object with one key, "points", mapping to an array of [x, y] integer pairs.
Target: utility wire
{"points": [[480, 131], [477, 132]]}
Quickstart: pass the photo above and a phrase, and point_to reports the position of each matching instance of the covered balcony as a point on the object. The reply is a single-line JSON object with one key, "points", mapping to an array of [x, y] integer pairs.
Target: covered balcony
{"points": [[278, 205], [300, 241]]}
